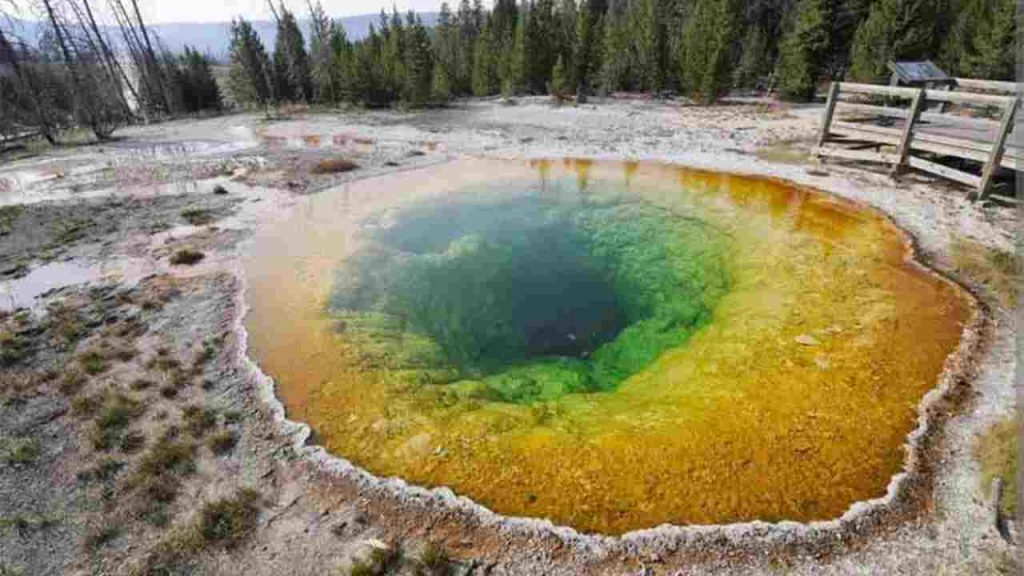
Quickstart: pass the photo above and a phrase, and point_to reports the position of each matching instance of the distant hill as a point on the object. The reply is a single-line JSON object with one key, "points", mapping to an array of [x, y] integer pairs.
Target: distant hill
{"points": [[215, 37]]}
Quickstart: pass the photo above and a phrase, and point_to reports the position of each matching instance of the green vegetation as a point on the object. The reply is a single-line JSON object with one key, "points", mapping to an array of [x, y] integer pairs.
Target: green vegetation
{"points": [[102, 536], [701, 48], [111, 427], [25, 525], [610, 288], [381, 561], [93, 363], [894, 30], [433, 561], [998, 452], [198, 216], [186, 257], [802, 51], [228, 521], [223, 442], [199, 421], [706, 48], [19, 451], [998, 270]]}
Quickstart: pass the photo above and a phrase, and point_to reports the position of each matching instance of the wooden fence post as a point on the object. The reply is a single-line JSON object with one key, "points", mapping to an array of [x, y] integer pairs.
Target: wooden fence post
{"points": [[903, 151], [995, 157], [830, 108]]}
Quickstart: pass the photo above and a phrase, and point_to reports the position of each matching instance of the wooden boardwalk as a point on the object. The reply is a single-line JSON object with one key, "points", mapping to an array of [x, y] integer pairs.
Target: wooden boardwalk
{"points": [[964, 135]]}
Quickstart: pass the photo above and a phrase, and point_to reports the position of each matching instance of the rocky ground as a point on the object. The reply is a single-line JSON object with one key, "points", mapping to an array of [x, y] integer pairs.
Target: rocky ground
{"points": [[137, 438]]}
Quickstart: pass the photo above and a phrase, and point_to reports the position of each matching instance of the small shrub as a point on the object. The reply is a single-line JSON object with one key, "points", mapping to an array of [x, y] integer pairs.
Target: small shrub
{"points": [[433, 561], [102, 536], [93, 363], [186, 257], [132, 442], [998, 270], [223, 442], [22, 452], [169, 391], [105, 471], [199, 421], [87, 405], [141, 384], [111, 426], [198, 216], [228, 521], [334, 166], [72, 381], [168, 457], [998, 452]]}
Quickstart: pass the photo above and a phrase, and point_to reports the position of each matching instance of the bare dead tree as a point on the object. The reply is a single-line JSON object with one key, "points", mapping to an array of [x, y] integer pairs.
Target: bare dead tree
{"points": [[90, 94], [108, 54], [43, 120]]}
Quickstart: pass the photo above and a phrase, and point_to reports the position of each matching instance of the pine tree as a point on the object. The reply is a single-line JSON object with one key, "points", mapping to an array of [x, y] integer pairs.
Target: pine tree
{"points": [[292, 78], [706, 47], [615, 60], [512, 83], [197, 87], [440, 88], [755, 61], [249, 75], [650, 51], [804, 50], [340, 73], [485, 69], [981, 43], [894, 30], [321, 54], [559, 80], [587, 51], [446, 47], [419, 63]]}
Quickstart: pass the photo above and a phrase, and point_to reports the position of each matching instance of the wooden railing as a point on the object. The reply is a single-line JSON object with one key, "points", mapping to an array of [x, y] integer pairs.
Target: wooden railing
{"points": [[905, 132]]}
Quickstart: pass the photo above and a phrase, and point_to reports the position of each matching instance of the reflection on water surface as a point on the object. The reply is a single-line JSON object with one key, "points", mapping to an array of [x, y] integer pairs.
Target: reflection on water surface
{"points": [[611, 346]]}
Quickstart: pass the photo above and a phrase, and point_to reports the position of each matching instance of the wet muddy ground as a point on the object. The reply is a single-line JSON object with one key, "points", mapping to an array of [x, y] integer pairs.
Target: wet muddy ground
{"points": [[136, 437]]}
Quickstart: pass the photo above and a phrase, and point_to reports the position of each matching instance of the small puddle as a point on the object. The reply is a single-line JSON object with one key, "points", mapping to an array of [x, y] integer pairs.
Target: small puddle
{"points": [[23, 292]]}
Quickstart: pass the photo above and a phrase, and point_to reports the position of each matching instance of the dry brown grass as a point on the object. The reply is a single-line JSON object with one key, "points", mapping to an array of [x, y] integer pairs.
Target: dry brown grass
{"points": [[998, 452], [997, 270], [334, 166]]}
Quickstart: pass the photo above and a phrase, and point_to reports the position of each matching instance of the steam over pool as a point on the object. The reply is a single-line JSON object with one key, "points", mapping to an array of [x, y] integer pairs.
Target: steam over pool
{"points": [[611, 346]]}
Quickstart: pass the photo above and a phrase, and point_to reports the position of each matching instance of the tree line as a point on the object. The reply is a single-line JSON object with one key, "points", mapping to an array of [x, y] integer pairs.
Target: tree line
{"points": [[700, 48], [80, 74]]}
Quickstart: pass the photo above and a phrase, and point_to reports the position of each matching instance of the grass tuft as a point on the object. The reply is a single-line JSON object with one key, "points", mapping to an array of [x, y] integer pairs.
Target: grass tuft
{"points": [[228, 521], [93, 363], [381, 561], [334, 166], [998, 270], [199, 421], [198, 216], [433, 561], [102, 536], [998, 452], [223, 442], [186, 257], [20, 452]]}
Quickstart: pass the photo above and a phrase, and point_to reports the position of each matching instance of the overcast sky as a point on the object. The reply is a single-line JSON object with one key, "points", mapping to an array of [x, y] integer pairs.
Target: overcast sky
{"points": [[161, 11]]}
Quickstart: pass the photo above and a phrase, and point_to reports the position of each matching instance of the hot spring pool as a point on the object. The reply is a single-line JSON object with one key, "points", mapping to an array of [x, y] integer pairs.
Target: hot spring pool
{"points": [[612, 346]]}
